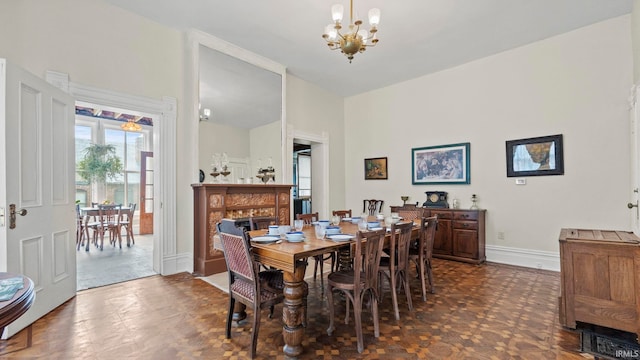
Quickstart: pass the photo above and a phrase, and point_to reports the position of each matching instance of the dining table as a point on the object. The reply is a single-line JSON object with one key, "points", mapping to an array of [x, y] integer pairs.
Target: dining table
{"points": [[291, 258], [18, 303], [95, 212]]}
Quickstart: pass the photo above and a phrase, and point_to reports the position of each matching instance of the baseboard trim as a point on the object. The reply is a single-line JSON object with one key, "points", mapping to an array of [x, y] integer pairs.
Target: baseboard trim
{"points": [[545, 260], [178, 263]]}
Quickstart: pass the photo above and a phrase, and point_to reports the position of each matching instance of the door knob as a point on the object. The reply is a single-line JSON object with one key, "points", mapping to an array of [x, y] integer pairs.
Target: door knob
{"points": [[631, 206], [12, 215]]}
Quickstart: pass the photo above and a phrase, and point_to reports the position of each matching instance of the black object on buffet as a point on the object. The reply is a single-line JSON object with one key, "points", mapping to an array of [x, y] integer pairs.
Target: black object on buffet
{"points": [[436, 199]]}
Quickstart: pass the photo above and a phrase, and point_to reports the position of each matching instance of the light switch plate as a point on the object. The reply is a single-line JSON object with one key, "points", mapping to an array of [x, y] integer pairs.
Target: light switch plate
{"points": [[521, 181]]}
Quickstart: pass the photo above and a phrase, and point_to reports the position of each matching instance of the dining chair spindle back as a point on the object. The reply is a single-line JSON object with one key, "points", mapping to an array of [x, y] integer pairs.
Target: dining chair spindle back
{"points": [[423, 253], [395, 267], [356, 284], [372, 206], [318, 259]]}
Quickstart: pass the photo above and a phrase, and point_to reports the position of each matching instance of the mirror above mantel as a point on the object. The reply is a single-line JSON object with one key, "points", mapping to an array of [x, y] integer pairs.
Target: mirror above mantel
{"points": [[244, 97]]}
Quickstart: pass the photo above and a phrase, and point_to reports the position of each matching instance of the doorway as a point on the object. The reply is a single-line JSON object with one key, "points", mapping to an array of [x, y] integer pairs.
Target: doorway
{"points": [[131, 187], [302, 178]]}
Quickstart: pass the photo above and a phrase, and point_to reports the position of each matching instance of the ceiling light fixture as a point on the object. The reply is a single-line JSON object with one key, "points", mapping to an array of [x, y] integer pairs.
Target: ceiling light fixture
{"points": [[206, 113], [131, 125], [356, 39]]}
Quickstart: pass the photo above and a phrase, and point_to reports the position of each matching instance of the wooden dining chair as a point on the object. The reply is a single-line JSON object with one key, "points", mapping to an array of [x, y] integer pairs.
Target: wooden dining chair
{"points": [[342, 213], [255, 289], [126, 222], [411, 215], [422, 255], [80, 229], [372, 206], [356, 284], [308, 218], [108, 221], [318, 259], [261, 222], [395, 267]]}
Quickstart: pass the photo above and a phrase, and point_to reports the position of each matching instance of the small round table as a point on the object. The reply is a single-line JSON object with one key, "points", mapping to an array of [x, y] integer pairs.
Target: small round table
{"points": [[13, 308]]}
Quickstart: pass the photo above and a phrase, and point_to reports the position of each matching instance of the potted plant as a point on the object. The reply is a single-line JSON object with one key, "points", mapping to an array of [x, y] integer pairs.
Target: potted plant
{"points": [[100, 163]]}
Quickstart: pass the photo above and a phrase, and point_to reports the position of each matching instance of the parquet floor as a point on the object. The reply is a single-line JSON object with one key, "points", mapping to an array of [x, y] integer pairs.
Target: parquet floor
{"points": [[489, 311]]}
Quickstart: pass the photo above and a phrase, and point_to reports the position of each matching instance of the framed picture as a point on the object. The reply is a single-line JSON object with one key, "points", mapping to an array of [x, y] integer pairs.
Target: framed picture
{"points": [[444, 164], [535, 156], [375, 168]]}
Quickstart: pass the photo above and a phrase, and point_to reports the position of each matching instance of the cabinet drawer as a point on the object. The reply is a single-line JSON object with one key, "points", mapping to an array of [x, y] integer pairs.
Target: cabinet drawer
{"points": [[469, 225], [441, 214], [465, 215]]}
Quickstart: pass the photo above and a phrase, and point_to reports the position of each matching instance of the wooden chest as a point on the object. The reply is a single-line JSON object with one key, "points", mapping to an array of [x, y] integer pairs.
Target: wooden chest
{"points": [[600, 278]]}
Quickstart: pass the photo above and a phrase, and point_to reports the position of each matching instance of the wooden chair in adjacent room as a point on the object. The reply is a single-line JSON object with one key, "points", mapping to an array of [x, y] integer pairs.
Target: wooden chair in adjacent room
{"points": [[80, 229], [395, 267], [372, 206], [255, 289], [356, 284], [261, 222], [422, 255], [319, 259], [109, 222], [126, 222]]}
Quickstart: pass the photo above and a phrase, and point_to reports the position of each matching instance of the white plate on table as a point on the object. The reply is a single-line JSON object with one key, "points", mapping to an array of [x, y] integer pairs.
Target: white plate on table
{"points": [[294, 241], [265, 239], [346, 219], [341, 237]]}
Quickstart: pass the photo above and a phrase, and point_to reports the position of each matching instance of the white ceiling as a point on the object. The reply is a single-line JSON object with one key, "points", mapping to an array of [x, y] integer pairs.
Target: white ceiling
{"points": [[417, 37]]}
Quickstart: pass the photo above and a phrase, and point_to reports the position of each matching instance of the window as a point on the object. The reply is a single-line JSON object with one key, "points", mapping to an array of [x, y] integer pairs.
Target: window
{"points": [[304, 175], [124, 189]]}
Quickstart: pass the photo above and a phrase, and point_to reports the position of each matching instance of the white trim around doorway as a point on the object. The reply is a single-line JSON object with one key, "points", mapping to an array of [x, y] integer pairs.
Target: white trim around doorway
{"points": [[165, 260]]}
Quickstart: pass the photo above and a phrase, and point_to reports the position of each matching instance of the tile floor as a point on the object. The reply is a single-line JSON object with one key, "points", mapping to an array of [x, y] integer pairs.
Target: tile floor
{"points": [[113, 265]]}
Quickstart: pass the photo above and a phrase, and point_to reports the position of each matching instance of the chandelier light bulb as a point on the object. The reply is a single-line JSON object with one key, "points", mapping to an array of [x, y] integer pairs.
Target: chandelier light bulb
{"points": [[336, 12], [374, 17], [362, 34], [331, 32]]}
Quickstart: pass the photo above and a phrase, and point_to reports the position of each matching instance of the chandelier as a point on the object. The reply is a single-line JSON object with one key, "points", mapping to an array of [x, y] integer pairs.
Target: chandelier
{"points": [[356, 39], [131, 125]]}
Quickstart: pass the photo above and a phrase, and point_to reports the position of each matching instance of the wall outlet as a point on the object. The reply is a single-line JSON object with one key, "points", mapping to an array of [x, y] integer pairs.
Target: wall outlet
{"points": [[500, 235], [521, 181]]}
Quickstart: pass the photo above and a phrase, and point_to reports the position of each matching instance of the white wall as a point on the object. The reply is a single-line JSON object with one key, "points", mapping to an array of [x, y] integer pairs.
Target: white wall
{"points": [[316, 111], [575, 84], [635, 37]]}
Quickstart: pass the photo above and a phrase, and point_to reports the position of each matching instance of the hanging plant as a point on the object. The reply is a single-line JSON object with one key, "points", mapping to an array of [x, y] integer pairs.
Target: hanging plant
{"points": [[99, 163]]}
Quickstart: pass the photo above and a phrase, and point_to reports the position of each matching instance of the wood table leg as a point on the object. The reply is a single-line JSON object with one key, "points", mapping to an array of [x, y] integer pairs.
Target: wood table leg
{"points": [[293, 311], [239, 312]]}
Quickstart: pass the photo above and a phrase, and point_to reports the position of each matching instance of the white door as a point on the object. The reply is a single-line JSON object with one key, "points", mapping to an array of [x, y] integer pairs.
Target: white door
{"points": [[37, 168], [635, 159]]}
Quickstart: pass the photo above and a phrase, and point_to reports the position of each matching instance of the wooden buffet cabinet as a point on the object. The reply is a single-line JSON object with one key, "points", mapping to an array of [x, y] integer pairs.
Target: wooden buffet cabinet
{"points": [[600, 279], [213, 202], [460, 235]]}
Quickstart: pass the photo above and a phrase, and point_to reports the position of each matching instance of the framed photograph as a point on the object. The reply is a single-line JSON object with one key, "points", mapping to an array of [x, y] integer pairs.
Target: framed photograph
{"points": [[444, 164], [375, 168], [535, 156]]}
